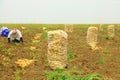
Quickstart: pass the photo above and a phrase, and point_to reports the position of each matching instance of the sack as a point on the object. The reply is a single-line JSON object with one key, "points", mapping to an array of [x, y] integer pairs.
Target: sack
{"points": [[5, 33]]}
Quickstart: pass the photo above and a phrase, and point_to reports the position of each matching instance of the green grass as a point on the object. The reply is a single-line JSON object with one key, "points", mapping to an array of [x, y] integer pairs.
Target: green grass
{"points": [[4, 64], [94, 76], [17, 75], [5, 50], [62, 74], [10, 55], [71, 55], [45, 34], [102, 60], [105, 36], [7, 59], [34, 55]]}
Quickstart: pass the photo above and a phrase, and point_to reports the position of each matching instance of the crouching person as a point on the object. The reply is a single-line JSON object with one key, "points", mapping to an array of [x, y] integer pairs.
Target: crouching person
{"points": [[15, 36], [4, 31]]}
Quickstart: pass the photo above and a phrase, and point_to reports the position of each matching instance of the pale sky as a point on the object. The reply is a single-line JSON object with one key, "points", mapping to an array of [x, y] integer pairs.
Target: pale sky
{"points": [[60, 11]]}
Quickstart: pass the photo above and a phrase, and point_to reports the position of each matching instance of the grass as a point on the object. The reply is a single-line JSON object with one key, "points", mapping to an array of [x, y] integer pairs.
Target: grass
{"points": [[102, 60], [71, 55], [45, 35], [4, 64], [6, 59], [35, 56], [94, 76], [17, 75], [63, 74], [5, 50], [105, 36], [10, 55]]}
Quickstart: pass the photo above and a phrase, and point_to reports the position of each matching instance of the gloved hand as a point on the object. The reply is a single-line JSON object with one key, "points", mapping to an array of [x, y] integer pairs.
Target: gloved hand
{"points": [[8, 40], [21, 39]]}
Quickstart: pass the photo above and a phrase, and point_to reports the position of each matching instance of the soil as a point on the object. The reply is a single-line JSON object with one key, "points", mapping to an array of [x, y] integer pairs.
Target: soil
{"points": [[86, 60]]}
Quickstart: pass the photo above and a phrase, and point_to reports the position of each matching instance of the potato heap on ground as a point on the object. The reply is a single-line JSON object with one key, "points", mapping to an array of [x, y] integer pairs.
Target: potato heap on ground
{"points": [[32, 48], [68, 28], [57, 49], [22, 27], [37, 37], [92, 37], [24, 62]]}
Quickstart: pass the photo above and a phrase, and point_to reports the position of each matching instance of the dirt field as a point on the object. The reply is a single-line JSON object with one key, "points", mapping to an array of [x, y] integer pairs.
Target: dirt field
{"points": [[105, 61]]}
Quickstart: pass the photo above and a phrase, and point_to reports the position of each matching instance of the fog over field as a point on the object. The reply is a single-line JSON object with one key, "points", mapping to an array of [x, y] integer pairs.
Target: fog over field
{"points": [[60, 11]]}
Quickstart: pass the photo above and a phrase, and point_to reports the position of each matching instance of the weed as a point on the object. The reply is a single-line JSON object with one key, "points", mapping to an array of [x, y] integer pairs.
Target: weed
{"points": [[10, 55], [105, 36], [66, 75], [31, 55], [34, 56], [94, 76], [4, 64], [71, 55], [74, 72], [37, 56], [105, 29], [57, 75], [101, 60], [5, 50], [59, 70], [6, 59], [17, 75], [45, 35]]}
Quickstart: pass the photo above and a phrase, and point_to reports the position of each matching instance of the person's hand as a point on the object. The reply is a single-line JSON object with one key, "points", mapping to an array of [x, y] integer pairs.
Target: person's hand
{"points": [[8, 40], [21, 39]]}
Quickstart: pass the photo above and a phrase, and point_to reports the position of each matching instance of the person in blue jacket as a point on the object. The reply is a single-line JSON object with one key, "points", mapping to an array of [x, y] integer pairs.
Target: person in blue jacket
{"points": [[4, 31]]}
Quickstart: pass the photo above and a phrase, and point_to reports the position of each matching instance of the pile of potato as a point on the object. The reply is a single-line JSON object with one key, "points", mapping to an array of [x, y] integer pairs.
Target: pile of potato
{"points": [[24, 62], [37, 37]]}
